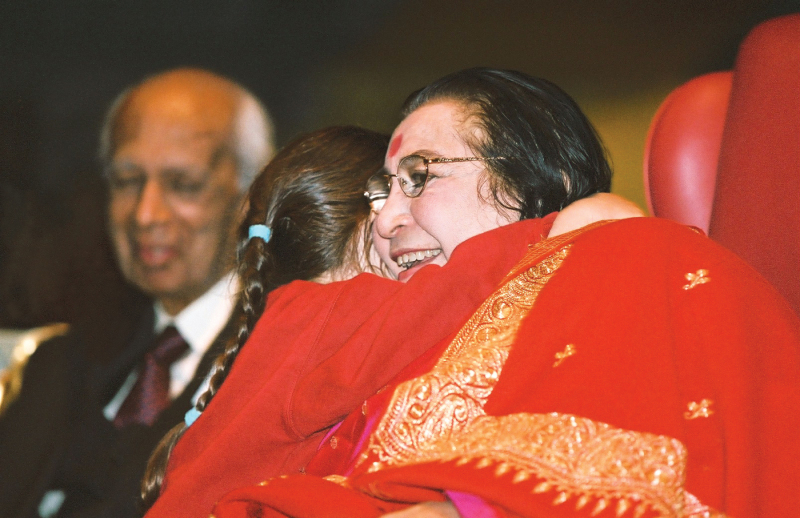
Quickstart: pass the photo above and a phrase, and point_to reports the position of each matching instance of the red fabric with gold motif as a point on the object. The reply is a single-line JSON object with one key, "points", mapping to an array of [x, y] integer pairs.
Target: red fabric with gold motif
{"points": [[316, 354], [634, 369]]}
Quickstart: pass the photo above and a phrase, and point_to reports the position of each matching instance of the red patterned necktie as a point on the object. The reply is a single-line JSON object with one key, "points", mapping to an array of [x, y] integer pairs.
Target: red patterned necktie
{"points": [[150, 394]]}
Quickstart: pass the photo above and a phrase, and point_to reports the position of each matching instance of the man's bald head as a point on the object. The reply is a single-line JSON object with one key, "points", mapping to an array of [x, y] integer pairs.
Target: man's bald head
{"points": [[198, 96], [179, 149]]}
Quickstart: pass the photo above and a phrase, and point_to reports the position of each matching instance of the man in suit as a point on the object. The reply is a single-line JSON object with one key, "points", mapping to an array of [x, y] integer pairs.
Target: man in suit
{"points": [[178, 150]]}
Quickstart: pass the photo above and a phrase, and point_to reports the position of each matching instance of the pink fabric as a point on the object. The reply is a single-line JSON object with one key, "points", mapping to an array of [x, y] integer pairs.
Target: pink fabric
{"points": [[471, 506]]}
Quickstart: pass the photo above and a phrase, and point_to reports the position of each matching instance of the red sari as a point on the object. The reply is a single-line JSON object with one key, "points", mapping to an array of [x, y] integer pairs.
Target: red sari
{"points": [[633, 369], [315, 355]]}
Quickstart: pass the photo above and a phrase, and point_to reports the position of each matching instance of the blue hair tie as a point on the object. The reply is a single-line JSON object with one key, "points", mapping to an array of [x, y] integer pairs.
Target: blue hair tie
{"points": [[262, 231], [191, 416]]}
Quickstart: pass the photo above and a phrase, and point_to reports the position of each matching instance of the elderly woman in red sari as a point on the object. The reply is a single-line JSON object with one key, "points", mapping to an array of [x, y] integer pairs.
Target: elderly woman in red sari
{"points": [[631, 368], [309, 348]]}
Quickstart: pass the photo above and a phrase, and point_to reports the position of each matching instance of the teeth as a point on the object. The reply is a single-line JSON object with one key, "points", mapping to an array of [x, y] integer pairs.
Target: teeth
{"points": [[410, 259]]}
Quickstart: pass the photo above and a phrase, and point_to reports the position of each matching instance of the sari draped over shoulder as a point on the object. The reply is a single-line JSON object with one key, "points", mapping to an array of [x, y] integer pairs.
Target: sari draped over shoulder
{"points": [[316, 353], [633, 368]]}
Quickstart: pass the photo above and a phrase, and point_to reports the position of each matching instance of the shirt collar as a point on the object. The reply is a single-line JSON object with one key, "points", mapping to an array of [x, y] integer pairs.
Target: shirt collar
{"points": [[202, 320]]}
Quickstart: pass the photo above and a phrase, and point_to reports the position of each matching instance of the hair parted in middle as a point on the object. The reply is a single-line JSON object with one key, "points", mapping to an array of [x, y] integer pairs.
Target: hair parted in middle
{"points": [[554, 155], [311, 195]]}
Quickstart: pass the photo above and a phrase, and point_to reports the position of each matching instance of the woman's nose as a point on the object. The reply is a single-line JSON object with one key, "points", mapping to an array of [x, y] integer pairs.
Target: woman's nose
{"points": [[394, 214]]}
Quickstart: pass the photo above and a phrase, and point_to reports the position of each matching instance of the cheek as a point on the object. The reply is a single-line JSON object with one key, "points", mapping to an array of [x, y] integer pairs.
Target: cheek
{"points": [[453, 217], [119, 239], [218, 209], [196, 216], [213, 214], [380, 266], [121, 211], [434, 217], [381, 246]]}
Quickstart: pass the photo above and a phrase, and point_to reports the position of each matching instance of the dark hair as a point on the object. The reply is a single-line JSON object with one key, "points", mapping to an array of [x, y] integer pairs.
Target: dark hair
{"points": [[311, 195], [555, 154]]}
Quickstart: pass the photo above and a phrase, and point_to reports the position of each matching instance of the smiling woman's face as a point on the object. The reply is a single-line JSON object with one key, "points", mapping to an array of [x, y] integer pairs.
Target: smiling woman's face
{"points": [[456, 203]]}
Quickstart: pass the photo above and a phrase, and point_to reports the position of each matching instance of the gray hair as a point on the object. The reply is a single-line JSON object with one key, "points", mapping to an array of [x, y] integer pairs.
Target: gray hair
{"points": [[252, 136]]}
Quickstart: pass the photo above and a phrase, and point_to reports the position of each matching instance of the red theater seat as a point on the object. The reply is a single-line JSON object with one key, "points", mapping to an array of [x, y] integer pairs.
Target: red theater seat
{"points": [[723, 154], [682, 150]]}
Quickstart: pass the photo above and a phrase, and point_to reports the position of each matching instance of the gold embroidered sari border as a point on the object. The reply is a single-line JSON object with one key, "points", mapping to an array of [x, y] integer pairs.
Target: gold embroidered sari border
{"points": [[577, 460], [448, 398], [549, 245]]}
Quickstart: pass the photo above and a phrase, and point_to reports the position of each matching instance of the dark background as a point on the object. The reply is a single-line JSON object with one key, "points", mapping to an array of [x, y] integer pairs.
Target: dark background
{"points": [[313, 64]]}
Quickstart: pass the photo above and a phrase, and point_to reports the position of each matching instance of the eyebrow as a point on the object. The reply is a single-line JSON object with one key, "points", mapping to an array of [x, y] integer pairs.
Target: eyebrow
{"points": [[219, 154], [425, 153], [205, 172], [118, 165]]}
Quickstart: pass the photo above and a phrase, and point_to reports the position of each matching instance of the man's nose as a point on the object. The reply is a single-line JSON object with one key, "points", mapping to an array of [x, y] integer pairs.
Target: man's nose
{"points": [[394, 214], [152, 206]]}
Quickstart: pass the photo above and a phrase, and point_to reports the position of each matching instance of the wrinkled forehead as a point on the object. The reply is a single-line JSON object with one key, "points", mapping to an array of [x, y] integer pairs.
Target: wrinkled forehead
{"points": [[176, 114], [439, 128]]}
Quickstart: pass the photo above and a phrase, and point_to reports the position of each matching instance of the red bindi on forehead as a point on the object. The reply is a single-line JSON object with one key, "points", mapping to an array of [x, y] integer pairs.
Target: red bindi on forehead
{"points": [[394, 146]]}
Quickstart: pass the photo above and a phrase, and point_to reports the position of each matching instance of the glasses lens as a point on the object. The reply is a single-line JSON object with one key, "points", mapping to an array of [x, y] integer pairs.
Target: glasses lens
{"points": [[412, 175], [378, 187], [377, 205]]}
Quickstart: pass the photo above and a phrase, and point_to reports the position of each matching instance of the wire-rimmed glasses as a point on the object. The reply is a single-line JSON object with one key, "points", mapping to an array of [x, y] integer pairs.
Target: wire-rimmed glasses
{"points": [[412, 176]]}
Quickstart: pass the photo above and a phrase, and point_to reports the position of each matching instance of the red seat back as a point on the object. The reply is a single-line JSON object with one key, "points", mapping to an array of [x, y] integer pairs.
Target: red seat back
{"points": [[757, 201], [723, 154], [682, 150]]}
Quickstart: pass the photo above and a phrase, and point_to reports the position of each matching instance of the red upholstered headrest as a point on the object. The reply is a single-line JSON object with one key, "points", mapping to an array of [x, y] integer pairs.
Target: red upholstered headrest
{"points": [[682, 150], [757, 202]]}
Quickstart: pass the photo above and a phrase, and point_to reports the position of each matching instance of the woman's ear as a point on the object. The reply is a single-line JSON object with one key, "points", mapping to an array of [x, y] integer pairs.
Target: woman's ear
{"points": [[598, 207]]}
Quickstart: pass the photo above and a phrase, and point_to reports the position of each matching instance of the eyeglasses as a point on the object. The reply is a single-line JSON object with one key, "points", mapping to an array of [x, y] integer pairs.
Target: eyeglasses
{"points": [[378, 186], [412, 176]]}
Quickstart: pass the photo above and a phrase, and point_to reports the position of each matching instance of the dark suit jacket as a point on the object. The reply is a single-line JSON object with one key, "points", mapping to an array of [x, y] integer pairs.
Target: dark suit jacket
{"points": [[54, 436]]}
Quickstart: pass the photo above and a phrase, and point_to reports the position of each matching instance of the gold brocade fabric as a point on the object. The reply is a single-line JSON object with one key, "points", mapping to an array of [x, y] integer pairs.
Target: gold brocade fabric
{"points": [[579, 461], [439, 417], [442, 402]]}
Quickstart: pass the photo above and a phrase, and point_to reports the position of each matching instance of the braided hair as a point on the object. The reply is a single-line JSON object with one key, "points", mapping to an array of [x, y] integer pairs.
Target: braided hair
{"points": [[311, 195]]}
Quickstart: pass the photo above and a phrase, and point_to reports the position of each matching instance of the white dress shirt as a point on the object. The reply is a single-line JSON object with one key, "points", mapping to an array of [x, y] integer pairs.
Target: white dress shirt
{"points": [[199, 324]]}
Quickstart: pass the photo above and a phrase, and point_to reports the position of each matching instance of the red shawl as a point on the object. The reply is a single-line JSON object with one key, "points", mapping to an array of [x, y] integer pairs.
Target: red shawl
{"points": [[634, 369], [316, 354]]}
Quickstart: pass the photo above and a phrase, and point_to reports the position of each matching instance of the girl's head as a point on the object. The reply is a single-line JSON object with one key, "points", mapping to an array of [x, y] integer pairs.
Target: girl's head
{"points": [[311, 196], [523, 149]]}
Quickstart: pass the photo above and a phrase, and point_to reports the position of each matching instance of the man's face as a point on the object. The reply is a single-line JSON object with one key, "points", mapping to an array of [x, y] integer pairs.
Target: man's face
{"points": [[456, 203], [174, 201]]}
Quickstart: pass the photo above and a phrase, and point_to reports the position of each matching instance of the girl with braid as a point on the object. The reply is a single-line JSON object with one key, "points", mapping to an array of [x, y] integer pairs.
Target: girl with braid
{"points": [[310, 348], [312, 197]]}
